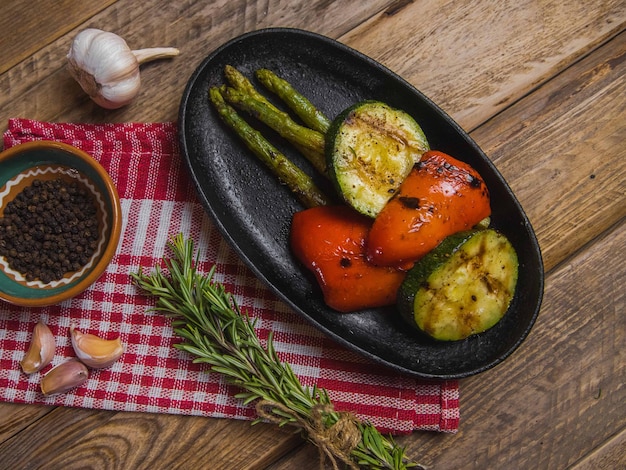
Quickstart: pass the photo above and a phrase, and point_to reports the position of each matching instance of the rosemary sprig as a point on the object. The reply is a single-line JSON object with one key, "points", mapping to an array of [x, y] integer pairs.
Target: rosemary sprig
{"points": [[217, 333]]}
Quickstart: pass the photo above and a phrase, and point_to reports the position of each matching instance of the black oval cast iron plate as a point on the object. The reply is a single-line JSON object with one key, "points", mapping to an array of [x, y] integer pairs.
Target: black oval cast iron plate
{"points": [[253, 211]]}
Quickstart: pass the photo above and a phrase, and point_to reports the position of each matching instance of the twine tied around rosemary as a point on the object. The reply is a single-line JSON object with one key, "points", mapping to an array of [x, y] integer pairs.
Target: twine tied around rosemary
{"points": [[335, 442]]}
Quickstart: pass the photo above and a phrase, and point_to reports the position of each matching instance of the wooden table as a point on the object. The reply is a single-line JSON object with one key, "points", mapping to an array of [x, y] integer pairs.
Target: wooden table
{"points": [[541, 86]]}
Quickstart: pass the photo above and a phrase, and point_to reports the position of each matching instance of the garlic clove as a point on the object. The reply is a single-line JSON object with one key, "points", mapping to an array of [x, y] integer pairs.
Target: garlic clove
{"points": [[107, 69], [64, 377], [40, 351], [94, 351]]}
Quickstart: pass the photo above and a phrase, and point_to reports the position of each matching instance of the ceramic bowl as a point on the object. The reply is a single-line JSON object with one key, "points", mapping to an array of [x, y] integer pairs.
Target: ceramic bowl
{"points": [[20, 166]]}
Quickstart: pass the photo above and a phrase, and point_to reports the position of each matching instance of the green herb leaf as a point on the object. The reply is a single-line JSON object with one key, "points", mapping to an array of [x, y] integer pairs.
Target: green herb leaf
{"points": [[217, 333]]}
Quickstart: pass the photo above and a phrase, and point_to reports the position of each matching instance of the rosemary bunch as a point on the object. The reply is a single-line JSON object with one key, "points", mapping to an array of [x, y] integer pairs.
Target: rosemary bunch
{"points": [[217, 333]]}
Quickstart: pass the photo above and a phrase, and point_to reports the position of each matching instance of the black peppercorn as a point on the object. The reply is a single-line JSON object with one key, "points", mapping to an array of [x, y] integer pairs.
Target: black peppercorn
{"points": [[49, 229]]}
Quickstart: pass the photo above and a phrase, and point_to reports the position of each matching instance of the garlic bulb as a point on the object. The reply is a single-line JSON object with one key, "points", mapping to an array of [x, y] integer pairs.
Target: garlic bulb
{"points": [[107, 69]]}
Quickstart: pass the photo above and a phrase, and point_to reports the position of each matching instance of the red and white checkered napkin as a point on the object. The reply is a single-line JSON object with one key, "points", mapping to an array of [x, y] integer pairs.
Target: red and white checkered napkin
{"points": [[158, 201]]}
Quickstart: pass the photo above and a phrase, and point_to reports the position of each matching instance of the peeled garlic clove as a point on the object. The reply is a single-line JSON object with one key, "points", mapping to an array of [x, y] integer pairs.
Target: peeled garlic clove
{"points": [[107, 69], [40, 351], [64, 377], [94, 351]]}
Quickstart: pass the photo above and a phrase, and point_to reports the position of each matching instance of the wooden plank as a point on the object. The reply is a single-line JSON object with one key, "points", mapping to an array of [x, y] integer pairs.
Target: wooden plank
{"points": [[40, 88], [50, 94], [561, 395], [538, 409], [46, 431], [561, 149], [14, 417], [571, 398], [304, 458], [609, 456], [476, 58], [196, 28], [413, 50], [28, 26], [73, 438]]}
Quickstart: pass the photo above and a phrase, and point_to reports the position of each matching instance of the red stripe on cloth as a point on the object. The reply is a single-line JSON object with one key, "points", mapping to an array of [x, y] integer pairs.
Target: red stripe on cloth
{"points": [[152, 375]]}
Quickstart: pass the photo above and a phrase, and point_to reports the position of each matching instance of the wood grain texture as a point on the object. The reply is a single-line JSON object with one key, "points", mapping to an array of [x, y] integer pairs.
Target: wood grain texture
{"points": [[542, 85], [75, 438], [476, 58], [561, 395], [28, 26], [561, 150], [196, 28], [15, 418], [609, 456]]}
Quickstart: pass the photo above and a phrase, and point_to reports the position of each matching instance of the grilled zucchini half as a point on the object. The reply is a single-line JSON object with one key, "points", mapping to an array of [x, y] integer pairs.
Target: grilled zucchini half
{"points": [[370, 149], [462, 287]]}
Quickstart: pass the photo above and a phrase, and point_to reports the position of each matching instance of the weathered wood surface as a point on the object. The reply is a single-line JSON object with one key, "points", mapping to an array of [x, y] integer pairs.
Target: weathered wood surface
{"points": [[542, 86], [26, 27]]}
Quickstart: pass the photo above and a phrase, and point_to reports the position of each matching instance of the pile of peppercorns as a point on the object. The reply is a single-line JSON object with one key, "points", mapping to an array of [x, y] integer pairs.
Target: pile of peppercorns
{"points": [[49, 229]]}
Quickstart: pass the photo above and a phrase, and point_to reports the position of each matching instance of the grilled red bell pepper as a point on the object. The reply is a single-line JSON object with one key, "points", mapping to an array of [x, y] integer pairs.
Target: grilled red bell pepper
{"points": [[440, 197], [330, 241]]}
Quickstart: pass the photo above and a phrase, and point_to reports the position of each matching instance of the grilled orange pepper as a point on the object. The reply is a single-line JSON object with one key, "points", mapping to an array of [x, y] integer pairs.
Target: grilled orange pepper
{"points": [[330, 241], [440, 197]]}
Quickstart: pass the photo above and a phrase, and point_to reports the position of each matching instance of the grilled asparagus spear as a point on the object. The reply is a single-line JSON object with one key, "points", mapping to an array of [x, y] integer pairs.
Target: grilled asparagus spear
{"points": [[297, 102], [287, 172], [240, 83], [278, 121]]}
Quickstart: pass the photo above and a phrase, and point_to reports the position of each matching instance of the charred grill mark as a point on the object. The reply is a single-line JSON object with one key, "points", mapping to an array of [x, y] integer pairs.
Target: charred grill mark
{"points": [[474, 182], [409, 202], [345, 262]]}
